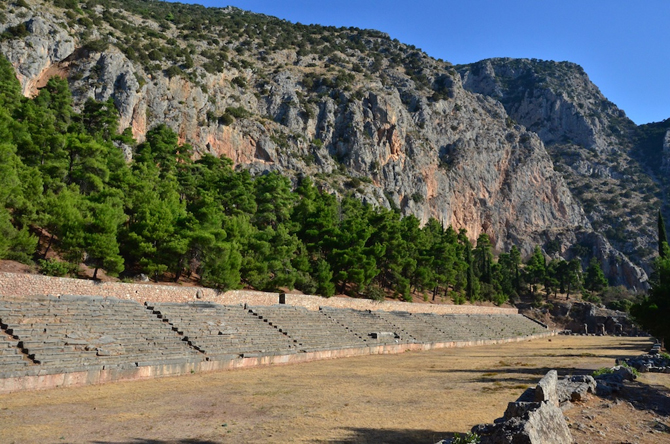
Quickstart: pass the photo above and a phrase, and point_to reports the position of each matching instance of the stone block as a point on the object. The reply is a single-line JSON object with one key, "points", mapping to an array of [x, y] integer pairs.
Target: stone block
{"points": [[546, 388]]}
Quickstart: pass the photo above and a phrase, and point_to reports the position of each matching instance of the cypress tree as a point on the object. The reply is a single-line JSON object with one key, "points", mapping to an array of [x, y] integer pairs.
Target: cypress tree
{"points": [[470, 291], [662, 236]]}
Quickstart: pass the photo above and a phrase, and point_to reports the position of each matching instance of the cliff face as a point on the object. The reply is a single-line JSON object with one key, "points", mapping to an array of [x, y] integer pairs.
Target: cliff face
{"points": [[592, 143], [366, 116]]}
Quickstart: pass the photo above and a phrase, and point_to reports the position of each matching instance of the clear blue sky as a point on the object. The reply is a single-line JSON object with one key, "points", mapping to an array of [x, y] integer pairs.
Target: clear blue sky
{"points": [[623, 45]]}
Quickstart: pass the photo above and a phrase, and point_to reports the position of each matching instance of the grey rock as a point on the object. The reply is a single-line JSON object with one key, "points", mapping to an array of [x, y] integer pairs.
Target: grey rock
{"points": [[575, 388], [546, 388], [543, 425], [665, 166], [519, 409]]}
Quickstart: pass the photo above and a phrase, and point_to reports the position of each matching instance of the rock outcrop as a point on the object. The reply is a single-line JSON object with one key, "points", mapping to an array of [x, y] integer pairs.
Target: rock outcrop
{"points": [[590, 141], [531, 422]]}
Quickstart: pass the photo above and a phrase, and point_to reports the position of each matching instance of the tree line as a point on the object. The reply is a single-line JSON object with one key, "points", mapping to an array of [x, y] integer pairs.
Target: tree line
{"points": [[65, 187]]}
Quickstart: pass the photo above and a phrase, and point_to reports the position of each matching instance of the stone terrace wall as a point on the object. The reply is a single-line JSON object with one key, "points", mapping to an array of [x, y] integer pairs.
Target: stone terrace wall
{"points": [[17, 285]]}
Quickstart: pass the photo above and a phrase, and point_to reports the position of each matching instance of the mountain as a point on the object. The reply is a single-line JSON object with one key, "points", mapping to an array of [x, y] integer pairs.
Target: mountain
{"points": [[525, 151], [610, 165]]}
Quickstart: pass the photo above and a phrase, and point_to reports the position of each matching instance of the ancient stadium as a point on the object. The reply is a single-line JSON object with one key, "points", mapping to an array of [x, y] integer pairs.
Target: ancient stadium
{"points": [[412, 373]]}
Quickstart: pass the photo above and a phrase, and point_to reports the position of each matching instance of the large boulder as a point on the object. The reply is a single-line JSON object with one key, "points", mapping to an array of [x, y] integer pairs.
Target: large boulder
{"points": [[546, 388], [544, 424]]}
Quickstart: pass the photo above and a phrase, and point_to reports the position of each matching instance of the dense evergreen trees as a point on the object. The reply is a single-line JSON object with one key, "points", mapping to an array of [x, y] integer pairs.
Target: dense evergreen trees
{"points": [[64, 183]]}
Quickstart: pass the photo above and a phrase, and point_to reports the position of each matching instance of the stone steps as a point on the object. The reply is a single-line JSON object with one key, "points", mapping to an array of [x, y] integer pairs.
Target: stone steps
{"points": [[70, 333]]}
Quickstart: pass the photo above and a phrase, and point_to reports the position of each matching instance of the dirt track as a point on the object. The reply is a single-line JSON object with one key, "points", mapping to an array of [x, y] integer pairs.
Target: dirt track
{"points": [[414, 397]]}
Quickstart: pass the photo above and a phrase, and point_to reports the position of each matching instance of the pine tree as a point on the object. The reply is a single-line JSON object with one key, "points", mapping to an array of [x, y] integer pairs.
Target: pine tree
{"points": [[595, 279], [515, 260], [471, 278], [535, 269]]}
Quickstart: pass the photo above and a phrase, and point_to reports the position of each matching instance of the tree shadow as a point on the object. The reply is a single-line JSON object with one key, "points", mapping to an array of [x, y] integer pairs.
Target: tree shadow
{"points": [[539, 371], [646, 397], [642, 347], [158, 441], [392, 436]]}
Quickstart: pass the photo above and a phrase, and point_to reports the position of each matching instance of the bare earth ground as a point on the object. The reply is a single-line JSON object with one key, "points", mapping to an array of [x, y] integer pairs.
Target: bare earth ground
{"points": [[416, 397]]}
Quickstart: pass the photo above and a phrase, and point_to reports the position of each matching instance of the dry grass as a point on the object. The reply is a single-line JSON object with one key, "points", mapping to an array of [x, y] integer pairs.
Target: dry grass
{"points": [[413, 397]]}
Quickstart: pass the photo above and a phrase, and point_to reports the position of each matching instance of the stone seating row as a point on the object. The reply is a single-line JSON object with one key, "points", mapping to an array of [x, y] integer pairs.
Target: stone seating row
{"points": [[79, 332], [368, 326], [311, 330], [69, 332], [223, 330]]}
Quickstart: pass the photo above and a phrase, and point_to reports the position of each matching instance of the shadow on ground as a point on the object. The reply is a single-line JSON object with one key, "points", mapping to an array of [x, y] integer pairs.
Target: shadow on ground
{"points": [[392, 436], [158, 441], [646, 397], [539, 371]]}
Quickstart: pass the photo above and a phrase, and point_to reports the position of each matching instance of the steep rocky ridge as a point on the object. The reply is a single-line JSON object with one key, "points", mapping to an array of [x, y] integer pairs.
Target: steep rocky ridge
{"points": [[362, 114], [591, 141]]}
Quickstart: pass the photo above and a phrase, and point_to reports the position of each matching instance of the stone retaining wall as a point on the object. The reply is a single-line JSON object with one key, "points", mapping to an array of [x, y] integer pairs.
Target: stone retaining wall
{"points": [[100, 376], [18, 285]]}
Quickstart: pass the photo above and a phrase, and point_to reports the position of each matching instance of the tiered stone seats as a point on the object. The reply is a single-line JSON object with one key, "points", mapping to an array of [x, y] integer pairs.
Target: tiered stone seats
{"points": [[453, 327], [220, 330], [11, 358], [414, 326], [80, 331], [45, 335], [367, 325], [512, 325], [311, 329]]}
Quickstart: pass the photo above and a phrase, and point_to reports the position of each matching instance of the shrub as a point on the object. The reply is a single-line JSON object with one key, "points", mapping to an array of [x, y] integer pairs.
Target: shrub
{"points": [[469, 438], [13, 32], [602, 371], [239, 81], [173, 71], [238, 112], [51, 267], [226, 119], [458, 298], [99, 45], [376, 293]]}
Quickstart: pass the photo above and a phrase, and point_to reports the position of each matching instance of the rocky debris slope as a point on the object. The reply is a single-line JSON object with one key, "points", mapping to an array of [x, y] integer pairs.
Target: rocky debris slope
{"points": [[583, 318], [591, 142], [534, 418], [364, 115], [537, 416], [652, 362]]}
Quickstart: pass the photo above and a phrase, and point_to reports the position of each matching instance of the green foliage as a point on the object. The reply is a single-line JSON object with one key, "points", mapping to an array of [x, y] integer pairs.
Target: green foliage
{"points": [[239, 81], [602, 371], [237, 112], [662, 236], [15, 32], [173, 71], [595, 279], [376, 293], [99, 45], [468, 438], [52, 267], [651, 313]]}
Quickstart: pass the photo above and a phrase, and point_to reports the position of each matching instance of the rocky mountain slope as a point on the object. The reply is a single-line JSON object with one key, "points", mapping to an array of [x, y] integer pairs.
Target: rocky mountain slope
{"points": [[362, 114], [593, 144]]}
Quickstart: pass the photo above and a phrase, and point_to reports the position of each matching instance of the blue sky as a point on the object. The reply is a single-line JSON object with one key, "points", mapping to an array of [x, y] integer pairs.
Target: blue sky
{"points": [[623, 45]]}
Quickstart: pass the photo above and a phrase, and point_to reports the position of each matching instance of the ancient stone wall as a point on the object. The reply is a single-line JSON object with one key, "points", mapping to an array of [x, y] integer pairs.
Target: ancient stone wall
{"points": [[17, 285]]}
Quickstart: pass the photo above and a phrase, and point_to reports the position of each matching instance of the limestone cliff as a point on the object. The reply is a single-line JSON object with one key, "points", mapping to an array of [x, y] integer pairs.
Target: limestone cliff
{"points": [[591, 141], [362, 114]]}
